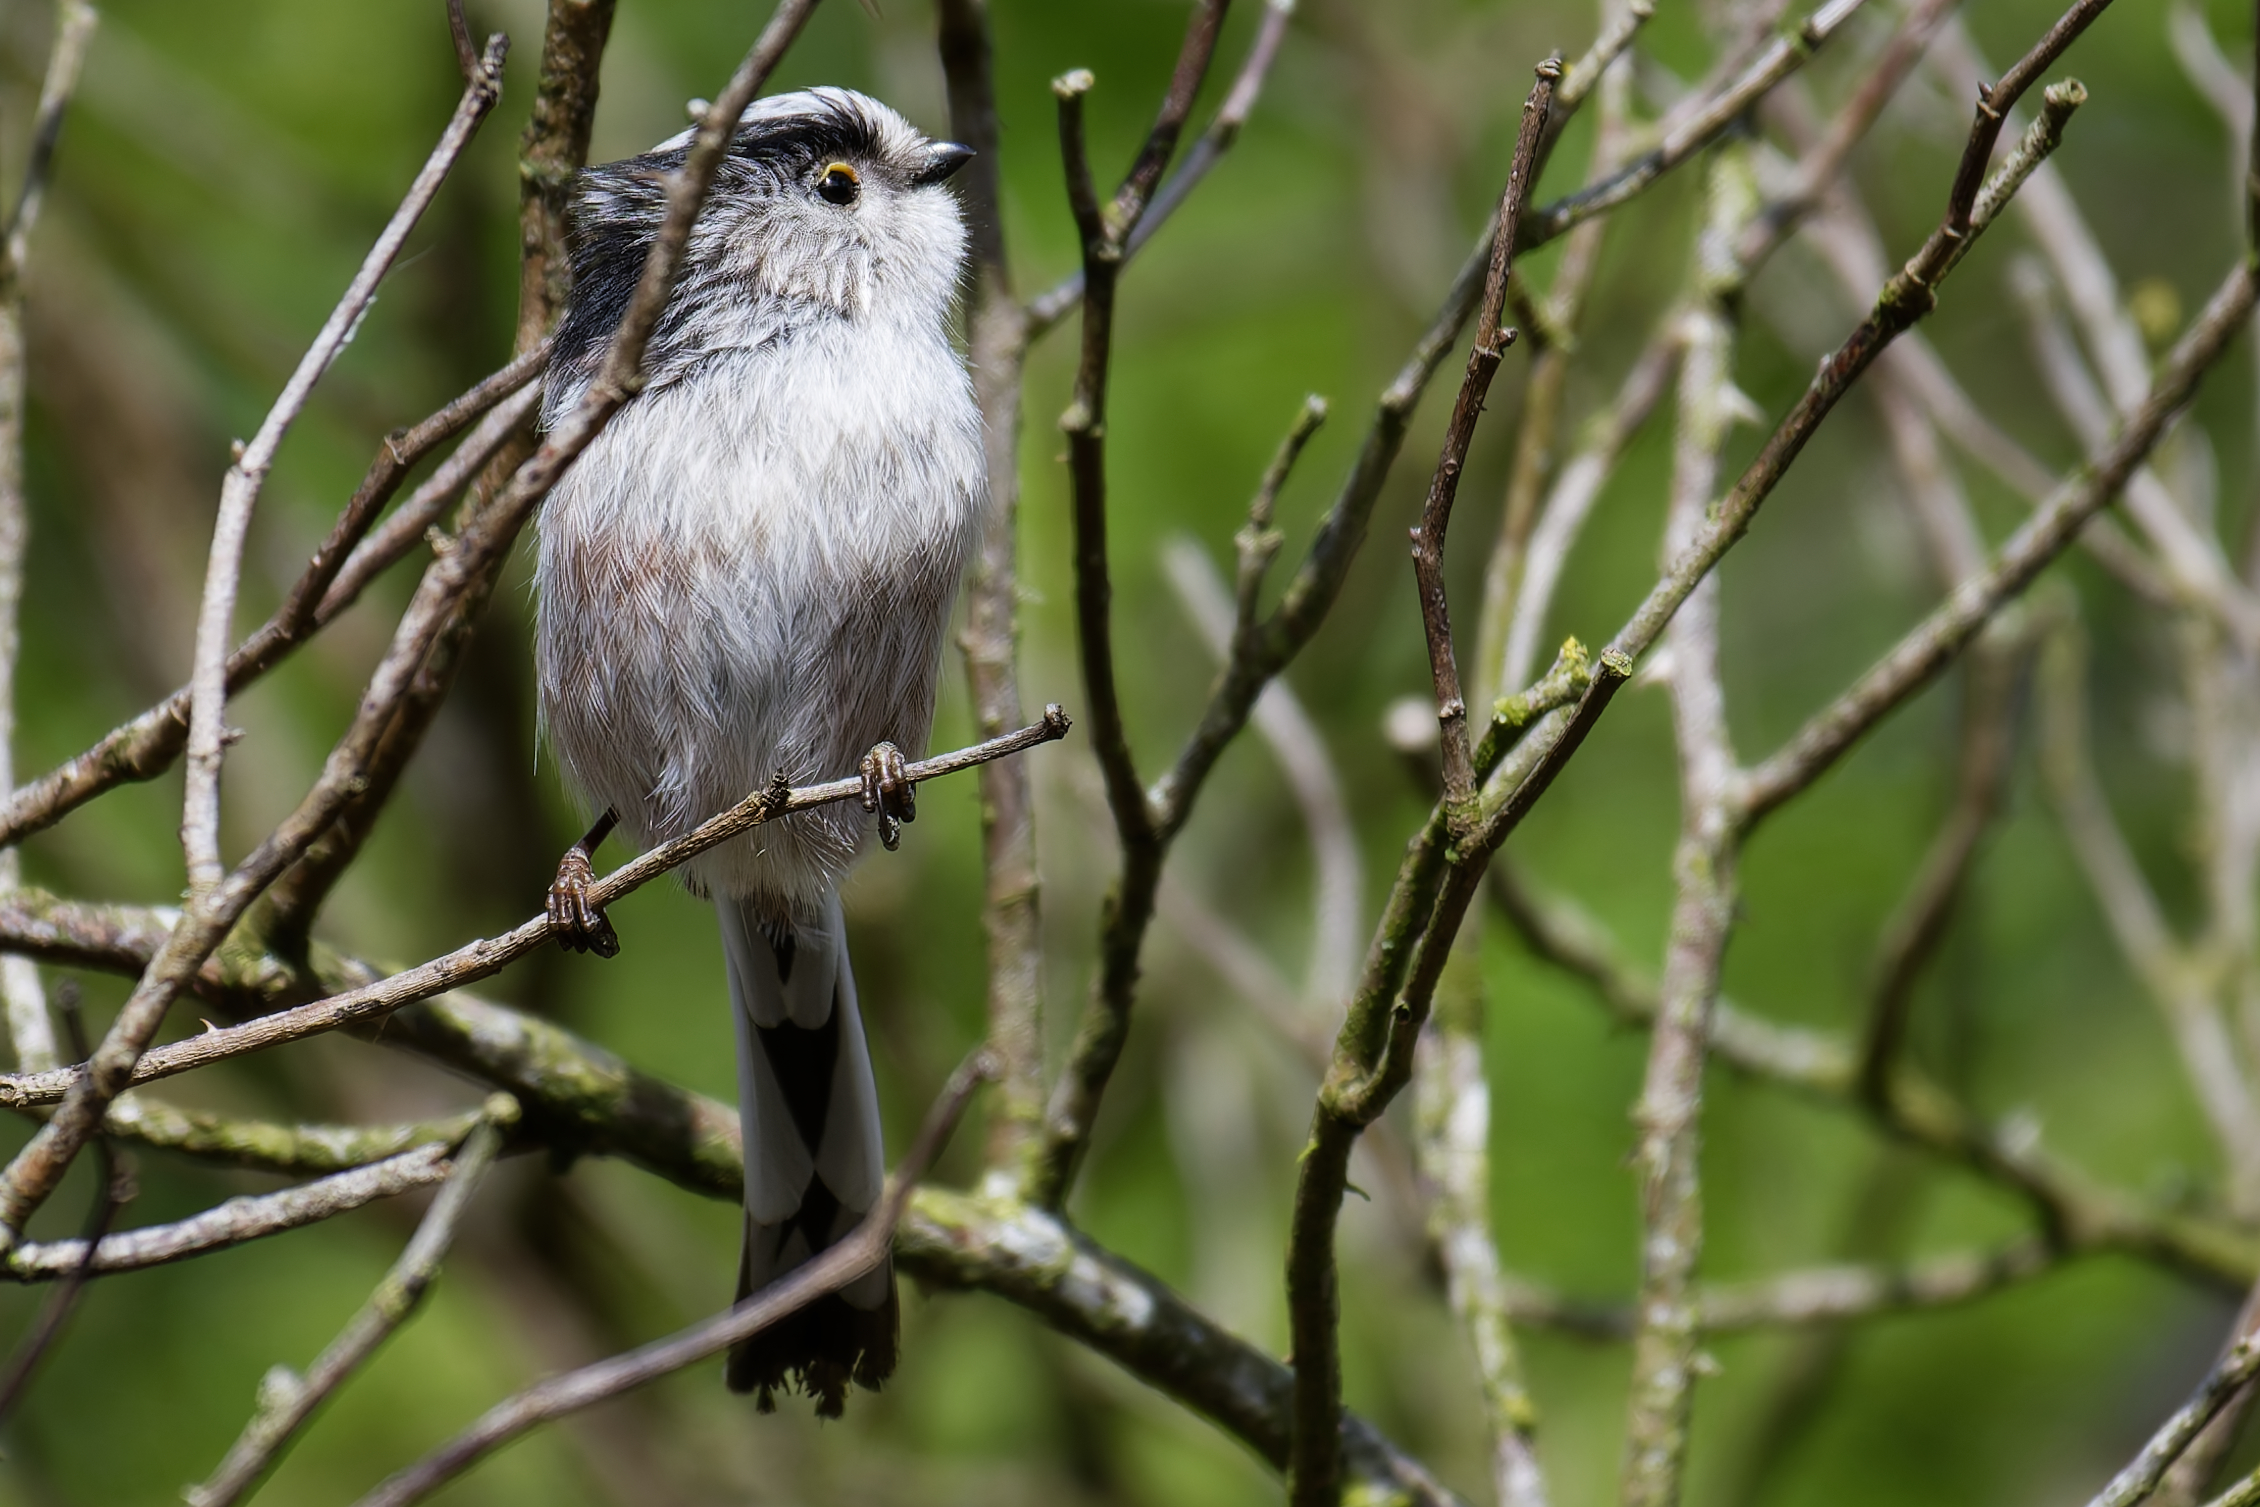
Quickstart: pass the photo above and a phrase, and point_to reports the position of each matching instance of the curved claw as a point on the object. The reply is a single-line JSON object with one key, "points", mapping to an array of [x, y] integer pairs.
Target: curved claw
{"points": [[888, 792], [579, 925]]}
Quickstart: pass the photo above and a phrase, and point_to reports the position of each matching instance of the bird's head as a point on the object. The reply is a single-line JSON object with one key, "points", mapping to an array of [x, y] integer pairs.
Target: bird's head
{"points": [[828, 204]]}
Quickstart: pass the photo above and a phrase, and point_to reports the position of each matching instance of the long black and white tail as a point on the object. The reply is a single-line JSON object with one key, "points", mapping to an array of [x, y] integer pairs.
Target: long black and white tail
{"points": [[814, 1163]]}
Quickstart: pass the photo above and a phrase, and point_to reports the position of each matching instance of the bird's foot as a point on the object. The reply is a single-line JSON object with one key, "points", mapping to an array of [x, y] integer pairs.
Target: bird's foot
{"points": [[579, 924], [887, 791]]}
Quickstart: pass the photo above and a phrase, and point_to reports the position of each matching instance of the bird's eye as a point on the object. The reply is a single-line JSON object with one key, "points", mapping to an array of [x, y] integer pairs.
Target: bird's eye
{"points": [[839, 184]]}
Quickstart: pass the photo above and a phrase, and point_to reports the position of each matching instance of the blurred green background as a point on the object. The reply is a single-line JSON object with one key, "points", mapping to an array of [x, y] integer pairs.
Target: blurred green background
{"points": [[218, 183]]}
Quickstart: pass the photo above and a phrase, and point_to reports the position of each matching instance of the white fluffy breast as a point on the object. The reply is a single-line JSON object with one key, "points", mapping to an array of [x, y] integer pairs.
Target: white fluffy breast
{"points": [[750, 570]]}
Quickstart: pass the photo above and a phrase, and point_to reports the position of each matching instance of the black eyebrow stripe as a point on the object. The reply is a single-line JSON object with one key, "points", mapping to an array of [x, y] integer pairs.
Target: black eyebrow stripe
{"points": [[831, 131]]}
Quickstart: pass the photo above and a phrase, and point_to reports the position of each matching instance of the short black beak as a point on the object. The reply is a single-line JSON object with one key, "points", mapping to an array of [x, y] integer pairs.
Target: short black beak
{"points": [[943, 158]]}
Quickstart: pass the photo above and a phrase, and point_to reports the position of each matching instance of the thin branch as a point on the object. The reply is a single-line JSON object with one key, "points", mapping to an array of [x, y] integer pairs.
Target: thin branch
{"points": [[1193, 57], [2195, 564], [1812, 1297], [459, 31], [1996, 101], [462, 572], [1693, 129], [1452, 1132], [287, 1400], [1129, 907], [1838, 1294], [1530, 739], [1909, 296], [1705, 873], [2142, 1475], [200, 817], [1582, 77], [74, 30], [29, 1029], [1912, 375], [1554, 328], [865, 1247], [2189, 1478], [232, 1223], [115, 1187], [997, 341], [1926, 650], [298, 1150], [2244, 1493], [1030, 1257], [487, 956], [1818, 168], [1428, 539], [412, 522], [1058, 301]]}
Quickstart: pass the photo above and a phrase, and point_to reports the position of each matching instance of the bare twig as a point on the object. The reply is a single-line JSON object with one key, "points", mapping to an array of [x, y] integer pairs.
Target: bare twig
{"points": [[1581, 78], [1911, 376], [997, 339], [865, 1247], [300, 1150], [1922, 653], [2141, 1476], [29, 1028], [411, 523], [1554, 328], [2188, 1479], [1692, 129], [1910, 295], [232, 1223], [1103, 230], [288, 1400], [1848, 123], [1374, 1051], [459, 31], [1428, 539], [114, 1189], [2196, 567], [487, 956], [1833, 1295], [2243, 1494], [1705, 869], [215, 632], [1452, 1119], [74, 30], [1057, 302]]}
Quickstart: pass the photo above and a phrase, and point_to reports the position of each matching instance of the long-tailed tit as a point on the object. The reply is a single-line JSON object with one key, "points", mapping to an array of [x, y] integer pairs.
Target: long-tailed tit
{"points": [[749, 571]]}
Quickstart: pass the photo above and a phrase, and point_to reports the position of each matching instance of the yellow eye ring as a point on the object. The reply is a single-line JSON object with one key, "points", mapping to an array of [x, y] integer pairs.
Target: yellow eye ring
{"points": [[839, 183]]}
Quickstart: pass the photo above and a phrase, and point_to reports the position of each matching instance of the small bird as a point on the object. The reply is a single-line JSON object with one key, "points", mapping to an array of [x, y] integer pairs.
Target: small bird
{"points": [[748, 574]]}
